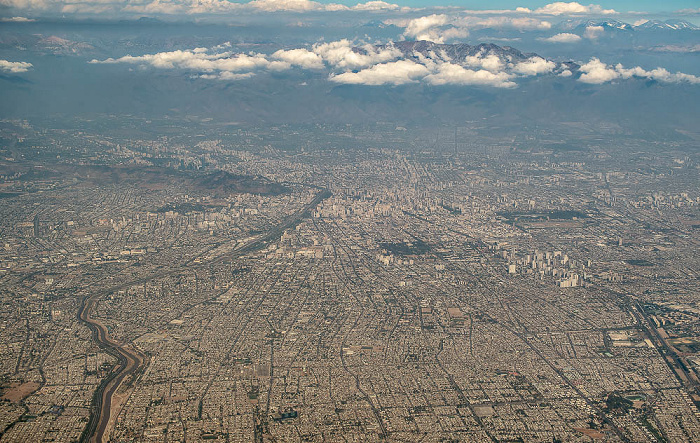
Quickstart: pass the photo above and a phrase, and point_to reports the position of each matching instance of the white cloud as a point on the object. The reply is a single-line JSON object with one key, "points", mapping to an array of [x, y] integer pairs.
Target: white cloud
{"points": [[16, 20], [442, 35], [658, 74], [25, 4], [377, 65], [300, 57], [284, 5], [441, 28], [519, 9], [483, 69], [222, 65], [195, 6], [342, 54], [394, 73], [377, 5], [346, 63], [534, 66], [219, 6], [452, 74], [210, 6], [14, 67], [597, 72], [490, 62], [593, 32], [219, 62], [572, 8], [88, 8], [417, 27], [563, 37], [309, 5], [154, 7], [556, 8]]}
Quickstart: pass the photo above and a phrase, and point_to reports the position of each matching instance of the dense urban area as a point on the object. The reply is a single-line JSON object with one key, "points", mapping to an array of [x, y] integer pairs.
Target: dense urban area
{"points": [[172, 281]]}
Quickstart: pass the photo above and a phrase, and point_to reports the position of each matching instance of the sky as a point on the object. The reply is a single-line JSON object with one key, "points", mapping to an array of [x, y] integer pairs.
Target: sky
{"points": [[690, 8], [620, 5], [247, 59]]}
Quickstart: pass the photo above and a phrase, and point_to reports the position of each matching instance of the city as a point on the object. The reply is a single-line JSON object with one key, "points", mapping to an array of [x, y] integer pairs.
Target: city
{"points": [[449, 284]]}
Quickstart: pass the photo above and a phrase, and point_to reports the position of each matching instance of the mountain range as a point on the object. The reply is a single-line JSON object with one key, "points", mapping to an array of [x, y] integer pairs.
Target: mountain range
{"points": [[611, 24], [464, 54]]}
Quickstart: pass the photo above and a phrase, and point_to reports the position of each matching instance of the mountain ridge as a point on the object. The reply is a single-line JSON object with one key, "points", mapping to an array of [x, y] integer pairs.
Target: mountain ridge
{"points": [[465, 55]]}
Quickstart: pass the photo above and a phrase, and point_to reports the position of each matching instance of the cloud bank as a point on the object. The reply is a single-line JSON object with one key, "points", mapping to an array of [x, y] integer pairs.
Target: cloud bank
{"points": [[393, 64], [453, 74], [596, 72], [345, 63], [225, 6], [573, 8], [194, 6], [340, 55], [393, 73], [442, 28]]}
